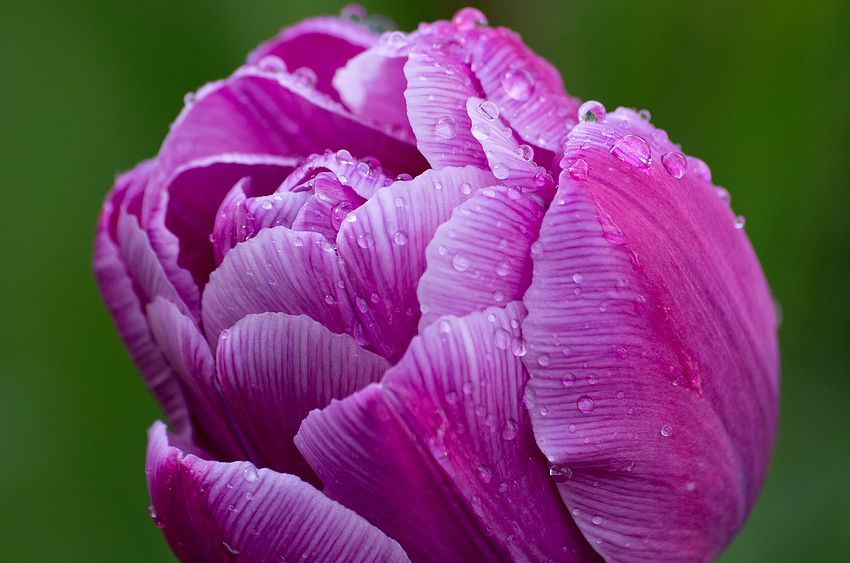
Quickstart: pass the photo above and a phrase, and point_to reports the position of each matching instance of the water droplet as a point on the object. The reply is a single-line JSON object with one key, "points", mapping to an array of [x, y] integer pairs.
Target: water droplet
{"points": [[740, 221], [339, 213], [666, 430], [620, 395], [250, 474], [603, 307], [467, 18], [501, 170], [305, 77], [445, 327], [518, 347], [724, 195], [270, 63], [585, 404], [525, 152], [560, 474], [591, 112], [400, 238], [518, 83], [188, 98], [675, 163], [460, 261], [503, 268], [578, 278], [481, 131], [365, 240], [700, 168], [466, 188], [544, 360], [446, 127], [490, 109], [329, 299], [537, 247], [399, 202], [488, 193], [544, 411], [452, 397], [375, 298], [484, 474], [644, 114], [568, 380], [633, 150], [152, 511], [596, 520], [467, 388], [501, 338], [498, 296], [578, 170], [503, 487], [357, 13], [621, 352]]}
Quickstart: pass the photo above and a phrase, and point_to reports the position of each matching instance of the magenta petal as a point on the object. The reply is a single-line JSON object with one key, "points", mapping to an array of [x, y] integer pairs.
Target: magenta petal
{"points": [[481, 256], [383, 250], [440, 456], [526, 88], [329, 205], [654, 351], [322, 44], [293, 272], [274, 369], [213, 511], [191, 359], [126, 306], [436, 106]]}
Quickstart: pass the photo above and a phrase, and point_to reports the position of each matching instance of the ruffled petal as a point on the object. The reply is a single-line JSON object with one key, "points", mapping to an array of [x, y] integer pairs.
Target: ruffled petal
{"points": [[440, 456], [126, 306], [382, 247], [365, 176], [322, 44], [329, 205], [191, 359], [481, 256], [213, 511], [274, 369], [652, 349], [279, 270]]}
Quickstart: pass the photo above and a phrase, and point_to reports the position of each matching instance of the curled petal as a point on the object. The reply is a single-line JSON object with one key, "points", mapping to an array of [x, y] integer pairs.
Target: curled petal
{"points": [[213, 511]]}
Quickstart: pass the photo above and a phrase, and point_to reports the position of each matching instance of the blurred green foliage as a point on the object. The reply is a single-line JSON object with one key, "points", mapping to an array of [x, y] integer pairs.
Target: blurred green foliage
{"points": [[759, 90]]}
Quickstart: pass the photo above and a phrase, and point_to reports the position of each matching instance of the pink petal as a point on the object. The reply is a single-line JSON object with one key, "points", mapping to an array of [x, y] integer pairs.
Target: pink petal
{"points": [[382, 246], [213, 511], [481, 256], [274, 369], [654, 350], [440, 457]]}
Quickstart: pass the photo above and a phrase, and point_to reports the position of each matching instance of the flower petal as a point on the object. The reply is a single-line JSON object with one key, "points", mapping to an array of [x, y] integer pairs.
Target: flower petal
{"points": [[383, 250], [126, 306], [323, 44], [279, 270], [481, 256], [274, 369], [214, 511], [660, 366], [330, 203], [191, 359], [439, 455]]}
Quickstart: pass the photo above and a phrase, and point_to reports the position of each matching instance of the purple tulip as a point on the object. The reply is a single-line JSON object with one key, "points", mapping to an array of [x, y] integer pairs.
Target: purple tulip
{"points": [[403, 298]]}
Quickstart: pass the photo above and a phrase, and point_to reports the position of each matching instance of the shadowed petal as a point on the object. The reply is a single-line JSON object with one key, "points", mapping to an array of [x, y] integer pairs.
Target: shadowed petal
{"points": [[213, 511], [439, 455], [654, 350], [191, 359], [383, 250], [481, 256], [274, 369]]}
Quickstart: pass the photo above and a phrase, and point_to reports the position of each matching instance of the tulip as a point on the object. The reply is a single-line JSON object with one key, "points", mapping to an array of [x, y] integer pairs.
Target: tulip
{"points": [[401, 298]]}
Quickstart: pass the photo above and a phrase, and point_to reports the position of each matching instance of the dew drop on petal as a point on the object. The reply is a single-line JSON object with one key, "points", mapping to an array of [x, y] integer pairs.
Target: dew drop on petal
{"points": [[518, 347], [339, 213], [596, 520], [560, 474], [270, 63], [591, 112], [644, 114], [740, 220], [460, 261], [305, 76], [675, 163], [466, 188], [490, 109], [498, 296], [592, 379], [578, 278], [501, 338], [467, 18], [250, 473], [578, 170], [484, 474], [365, 240], [525, 152], [481, 131], [446, 127], [503, 268], [511, 429], [518, 83], [700, 168], [666, 430], [400, 238], [537, 247], [501, 170], [543, 360], [633, 150], [585, 404], [445, 327], [568, 380], [724, 194]]}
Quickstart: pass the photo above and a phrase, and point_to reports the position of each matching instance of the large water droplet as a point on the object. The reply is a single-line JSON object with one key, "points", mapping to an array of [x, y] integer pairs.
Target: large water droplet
{"points": [[467, 18], [270, 63], [510, 430], [740, 220], [578, 170], [489, 109], [501, 338], [339, 213], [585, 404], [446, 127], [485, 474], [518, 83], [401, 238], [544, 360], [675, 163], [365, 240], [305, 76], [460, 261], [633, 150], [481, 131], [591, 112], [466, 188], [560, 474], [596, 520], [501, 170], [518, 347], [568, 380], [250, 474], [525, 152]]}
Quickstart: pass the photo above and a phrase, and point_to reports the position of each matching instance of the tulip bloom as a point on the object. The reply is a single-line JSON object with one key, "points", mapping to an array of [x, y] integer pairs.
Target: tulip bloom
{"points": [[402, 298]]}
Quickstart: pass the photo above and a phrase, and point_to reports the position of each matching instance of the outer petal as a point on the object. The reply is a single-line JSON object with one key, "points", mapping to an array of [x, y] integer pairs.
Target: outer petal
{"points": [[323, 44], [293, 272], [440, 457], [127, 306], [212, 511], [191, 359], [652, 350], [274, 369], [383, 250], [481, 257]]}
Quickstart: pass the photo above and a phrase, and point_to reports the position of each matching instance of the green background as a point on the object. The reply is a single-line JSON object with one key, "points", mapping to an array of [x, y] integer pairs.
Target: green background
{"points": [[759, 90]]}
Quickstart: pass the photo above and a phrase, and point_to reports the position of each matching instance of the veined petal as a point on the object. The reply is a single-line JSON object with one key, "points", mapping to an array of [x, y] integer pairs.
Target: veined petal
{"points": [[365, 176], [279, 270], [214, 511], [439, 455], [329, 205], [191, 359], [661, 371], [481, 256], [382, 247], [274, 369]]}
